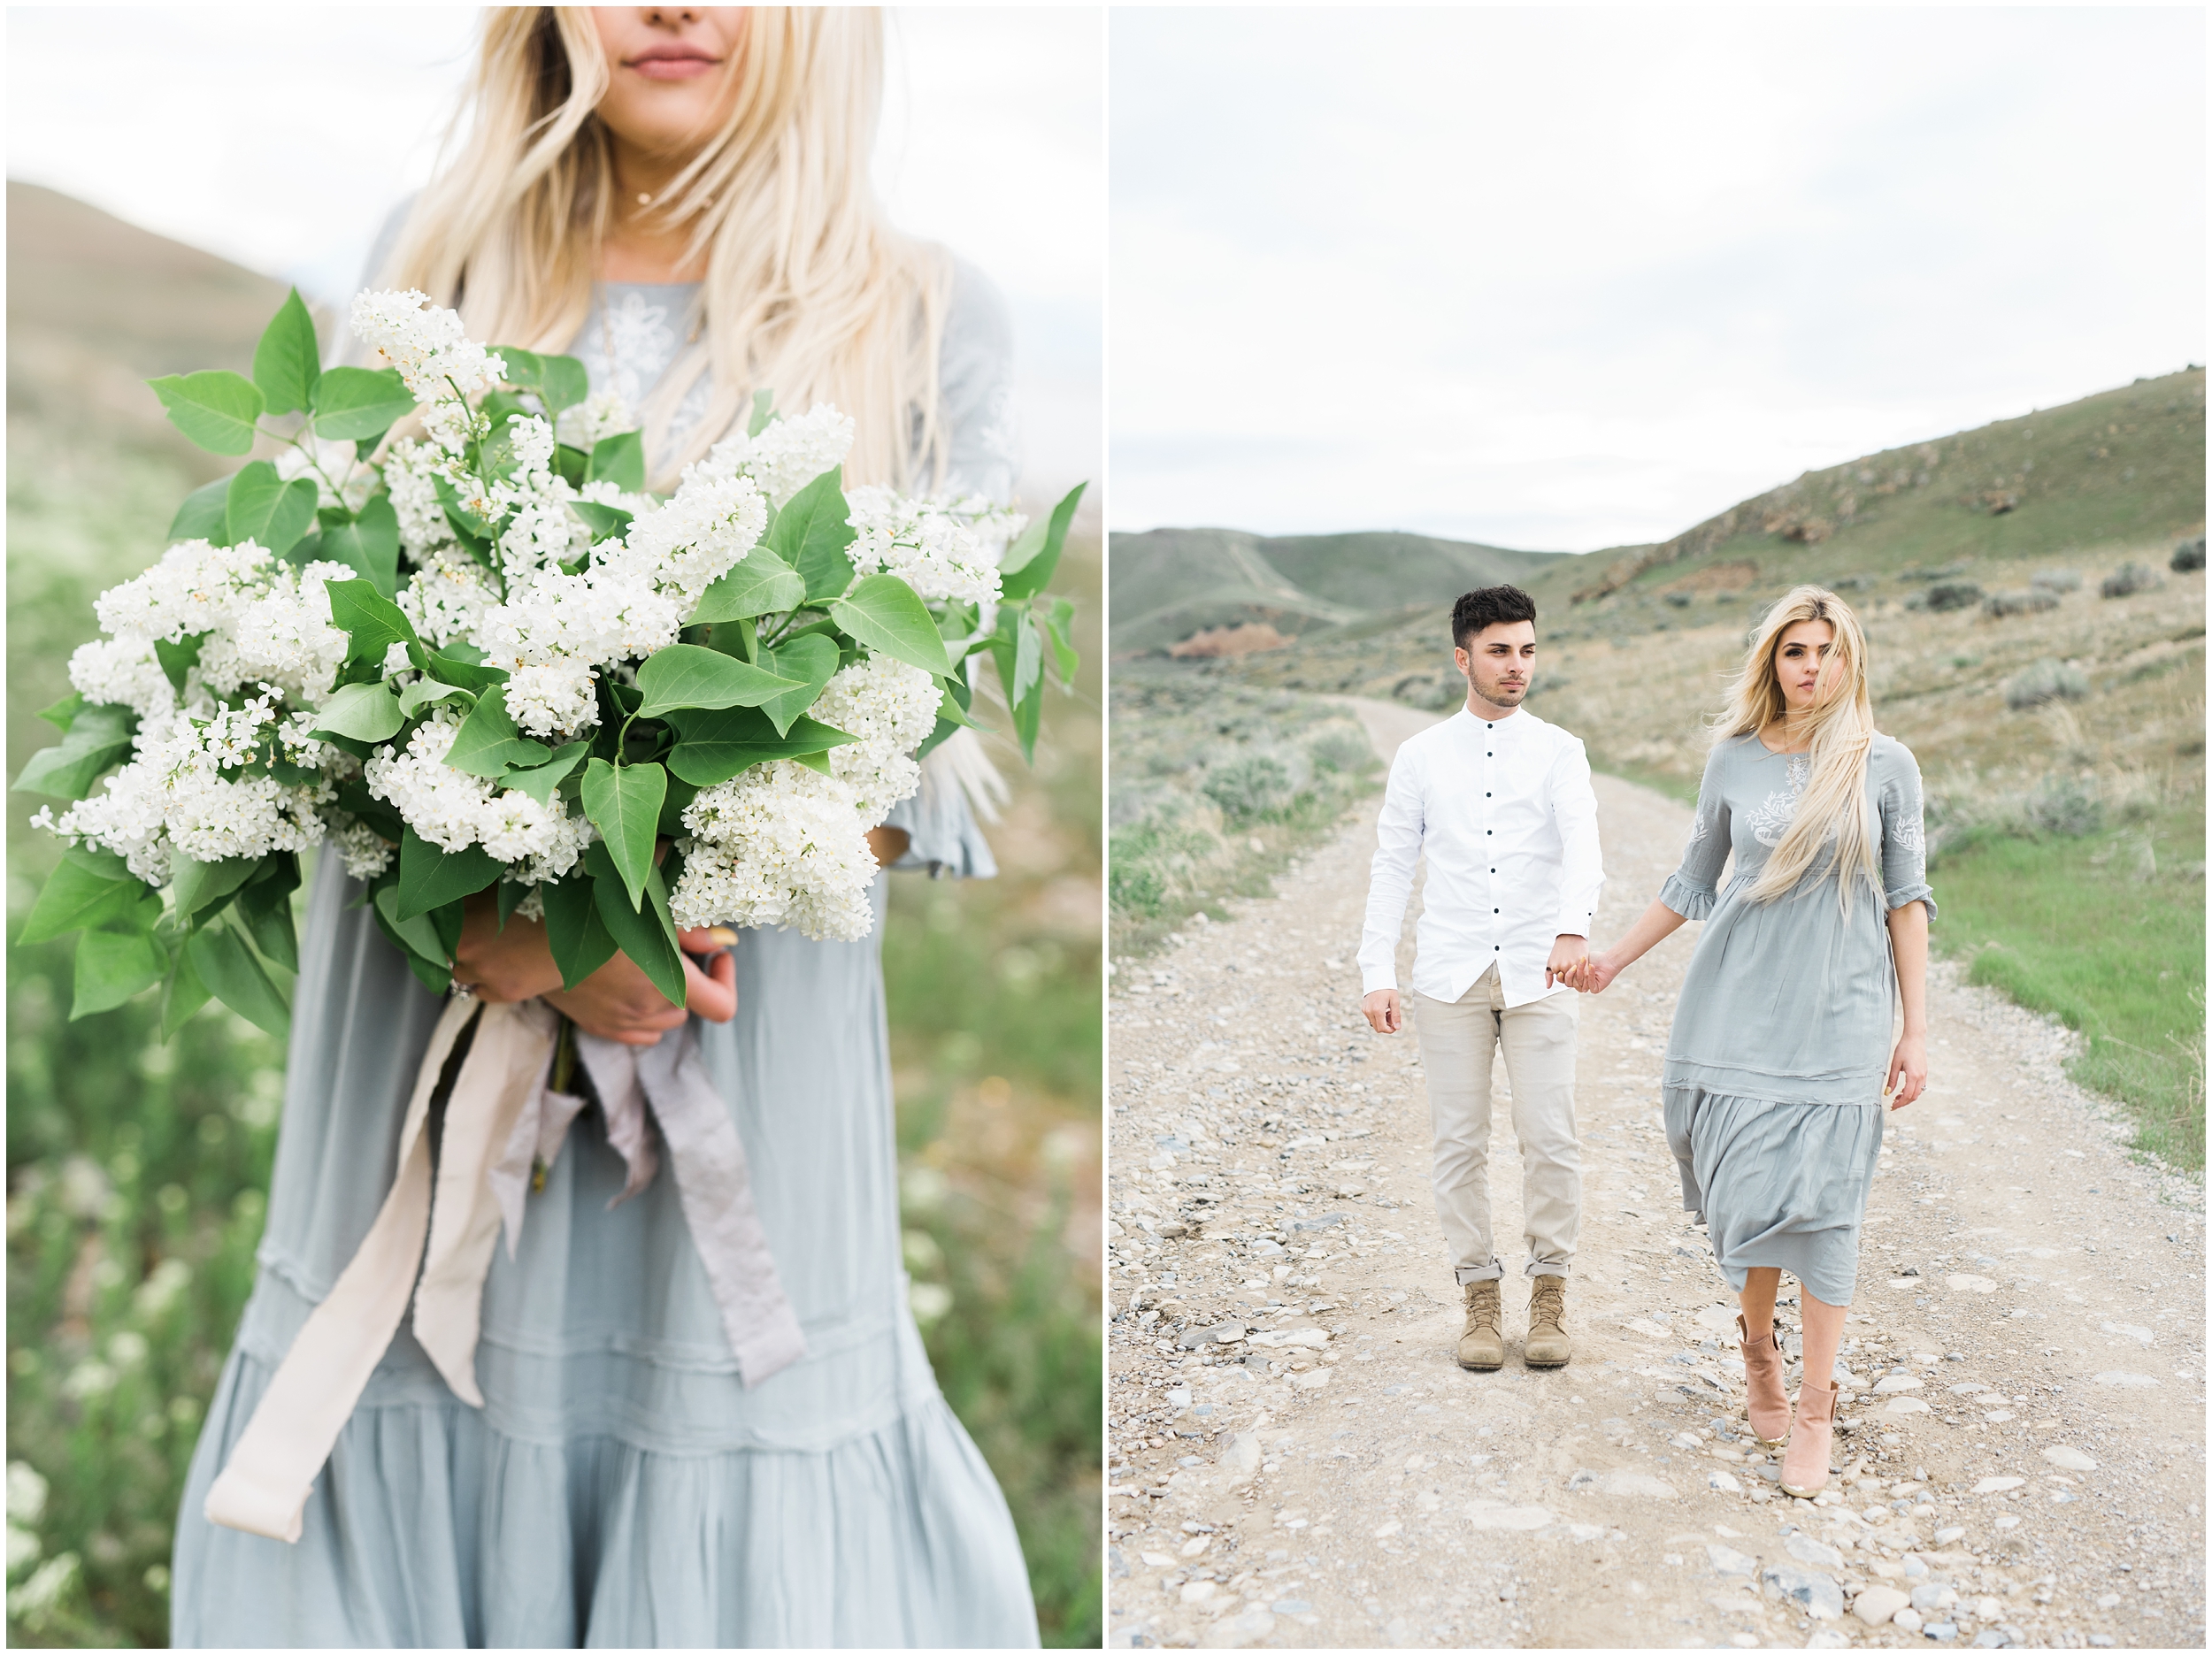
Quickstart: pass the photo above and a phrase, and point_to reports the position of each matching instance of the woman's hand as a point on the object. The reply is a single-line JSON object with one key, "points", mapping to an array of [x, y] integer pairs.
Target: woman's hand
{"points": [[503, 963], [618, 1002], [1908, 1071], [1595, 972]]}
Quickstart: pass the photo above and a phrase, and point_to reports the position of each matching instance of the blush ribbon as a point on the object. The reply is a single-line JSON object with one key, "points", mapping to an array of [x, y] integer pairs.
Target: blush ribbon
{"points": [[501, 1118]]}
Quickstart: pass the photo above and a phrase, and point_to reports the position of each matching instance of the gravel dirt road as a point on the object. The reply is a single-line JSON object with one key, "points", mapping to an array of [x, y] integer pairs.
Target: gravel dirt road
{"points": [[1296, 1461]]}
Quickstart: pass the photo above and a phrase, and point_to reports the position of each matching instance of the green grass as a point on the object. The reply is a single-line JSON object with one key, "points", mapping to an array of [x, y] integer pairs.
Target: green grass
{"points": [[2081, 929], [1218, 786]]}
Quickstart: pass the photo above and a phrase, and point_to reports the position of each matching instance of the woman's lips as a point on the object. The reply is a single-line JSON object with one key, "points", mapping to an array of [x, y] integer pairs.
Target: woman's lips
{"points": [[680, 66]]}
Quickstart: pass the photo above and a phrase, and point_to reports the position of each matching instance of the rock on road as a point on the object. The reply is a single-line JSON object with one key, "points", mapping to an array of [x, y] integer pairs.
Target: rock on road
{"points": [[1296, 1461]]}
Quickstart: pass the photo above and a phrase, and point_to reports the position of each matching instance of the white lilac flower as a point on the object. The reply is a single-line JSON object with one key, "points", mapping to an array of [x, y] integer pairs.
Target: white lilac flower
{"points": [[923, 544], [788, 454], [284, 639], [892, 708], [410, 473], [700, 534], [122, 671], [448, 596], [427, 343], [778, 845], [173, 795], [195, 587], [367, 853], [339, 477], [996, 527], [602, 415], [454, 811]]}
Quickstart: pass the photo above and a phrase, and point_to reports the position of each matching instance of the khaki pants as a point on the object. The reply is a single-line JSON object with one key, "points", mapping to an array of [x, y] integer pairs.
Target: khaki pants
{"points": [[1458, 1041]]}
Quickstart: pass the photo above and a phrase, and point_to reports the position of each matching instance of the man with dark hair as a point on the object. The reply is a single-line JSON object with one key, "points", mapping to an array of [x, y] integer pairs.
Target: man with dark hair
{"points": [[1500, 802]]}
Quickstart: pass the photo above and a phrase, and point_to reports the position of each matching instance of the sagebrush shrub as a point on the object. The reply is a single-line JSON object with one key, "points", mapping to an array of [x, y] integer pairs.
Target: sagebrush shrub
{"points": [[2046, 680]]}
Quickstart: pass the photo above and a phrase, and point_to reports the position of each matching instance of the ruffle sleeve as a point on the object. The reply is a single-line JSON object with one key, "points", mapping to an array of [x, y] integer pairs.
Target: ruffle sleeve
{"points": [[1693, 888], [1904, 835]]}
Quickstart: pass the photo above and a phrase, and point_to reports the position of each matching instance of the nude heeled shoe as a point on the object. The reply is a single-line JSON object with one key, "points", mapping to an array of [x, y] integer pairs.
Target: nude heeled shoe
{"points": [[1766, 1404], [1805, 1467]]}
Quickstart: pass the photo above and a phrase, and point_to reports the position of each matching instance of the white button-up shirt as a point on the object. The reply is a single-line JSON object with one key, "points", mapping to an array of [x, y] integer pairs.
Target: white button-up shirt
{"points": [[1505, 814]]}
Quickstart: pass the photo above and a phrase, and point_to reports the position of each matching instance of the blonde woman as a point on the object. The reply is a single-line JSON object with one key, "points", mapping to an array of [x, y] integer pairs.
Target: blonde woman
{"points": [[1782, 1053], [680, 199]]}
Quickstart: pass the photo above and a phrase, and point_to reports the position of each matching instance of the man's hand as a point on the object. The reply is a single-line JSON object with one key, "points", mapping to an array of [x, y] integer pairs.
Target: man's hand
{"points": [[1568, 954], [1383, 1013], [1908, 1071]]}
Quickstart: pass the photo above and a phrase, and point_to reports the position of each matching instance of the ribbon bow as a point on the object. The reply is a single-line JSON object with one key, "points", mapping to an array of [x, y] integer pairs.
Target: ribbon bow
{"points": [[500, 1117]]}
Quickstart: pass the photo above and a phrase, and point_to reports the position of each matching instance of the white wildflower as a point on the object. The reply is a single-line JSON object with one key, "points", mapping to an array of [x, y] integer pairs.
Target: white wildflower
{"points": [[27, 1492]]}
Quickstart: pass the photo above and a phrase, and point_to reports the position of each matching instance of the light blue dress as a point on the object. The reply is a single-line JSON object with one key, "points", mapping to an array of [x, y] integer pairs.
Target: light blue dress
{"points": [[1782, 1033], [621, 1486]]}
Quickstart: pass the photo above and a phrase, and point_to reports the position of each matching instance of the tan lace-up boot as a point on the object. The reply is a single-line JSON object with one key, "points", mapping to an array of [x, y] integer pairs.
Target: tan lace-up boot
{"points": [[1766, 1404], [1805, 1467], [1548, 1346], [1482, 1347]]}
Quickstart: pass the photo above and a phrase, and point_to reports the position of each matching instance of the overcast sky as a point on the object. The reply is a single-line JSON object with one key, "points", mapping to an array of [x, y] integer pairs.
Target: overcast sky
{"points": [[1562, 279], [279, 137]]}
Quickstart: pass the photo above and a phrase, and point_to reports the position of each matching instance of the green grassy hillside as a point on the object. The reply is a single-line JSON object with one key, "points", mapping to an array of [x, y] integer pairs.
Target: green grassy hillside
{"points": [[1167, 583], [2068, 828]]}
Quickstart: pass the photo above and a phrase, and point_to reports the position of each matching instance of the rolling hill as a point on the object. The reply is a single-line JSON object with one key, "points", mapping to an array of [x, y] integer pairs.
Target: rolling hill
{"points": [[1168, 584]]}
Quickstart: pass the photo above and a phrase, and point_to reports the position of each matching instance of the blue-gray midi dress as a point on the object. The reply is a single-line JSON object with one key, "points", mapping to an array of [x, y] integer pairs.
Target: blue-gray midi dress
{"points": [[1782, 1037], [621, 1486]]}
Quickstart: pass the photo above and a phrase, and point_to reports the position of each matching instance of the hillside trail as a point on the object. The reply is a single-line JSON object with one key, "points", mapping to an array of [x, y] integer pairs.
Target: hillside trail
{"points": [[1296, 1459]]}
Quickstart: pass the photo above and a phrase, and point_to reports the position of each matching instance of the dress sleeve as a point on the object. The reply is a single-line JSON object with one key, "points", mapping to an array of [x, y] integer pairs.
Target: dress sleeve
{"points": [[1692, 889], [975, 374], [1904, 841]]}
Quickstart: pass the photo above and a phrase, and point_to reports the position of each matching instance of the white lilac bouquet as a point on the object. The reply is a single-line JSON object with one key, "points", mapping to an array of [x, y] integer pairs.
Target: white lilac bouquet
{"points": [[446, 635]]}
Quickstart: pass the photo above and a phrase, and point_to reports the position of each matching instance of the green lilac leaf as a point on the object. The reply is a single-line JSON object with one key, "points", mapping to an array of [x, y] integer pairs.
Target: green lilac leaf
{"points": [[99, 738], [430, 878], [619, 460], [1029, 563], [74, 897], [624, 805], [690, 675], [366, 712], [715, 746], [289, 361], [811, 659], [645, 932], [762, 584], [217, 410], [360, 403], [577, 937], [369, 544], [885, 613], [113, 966], [811, 532], [203, 515], [221, 960], [488, 743]]}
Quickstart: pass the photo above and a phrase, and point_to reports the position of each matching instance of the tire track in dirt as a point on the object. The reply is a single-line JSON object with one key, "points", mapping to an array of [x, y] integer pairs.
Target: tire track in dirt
{"points": [[1296, 1461]]}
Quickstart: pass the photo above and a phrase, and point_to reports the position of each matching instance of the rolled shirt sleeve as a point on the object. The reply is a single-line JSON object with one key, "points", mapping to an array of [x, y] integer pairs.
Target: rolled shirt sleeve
{"points": [[1390, 878], [1582, 866]]}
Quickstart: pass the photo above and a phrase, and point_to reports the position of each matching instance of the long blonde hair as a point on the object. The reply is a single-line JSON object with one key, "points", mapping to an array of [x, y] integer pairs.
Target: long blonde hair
{"points": [[808, 291], [1834, 805]]}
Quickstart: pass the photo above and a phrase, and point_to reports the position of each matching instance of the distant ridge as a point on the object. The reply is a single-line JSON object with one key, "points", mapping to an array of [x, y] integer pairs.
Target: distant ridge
{"points": [[1169, 583], [2121, 466]]}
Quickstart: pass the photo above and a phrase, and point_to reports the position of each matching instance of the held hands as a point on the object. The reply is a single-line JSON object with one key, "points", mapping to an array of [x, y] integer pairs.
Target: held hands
{"points": [[1383, 1012], [1908, 1071], [1570, 957]]}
